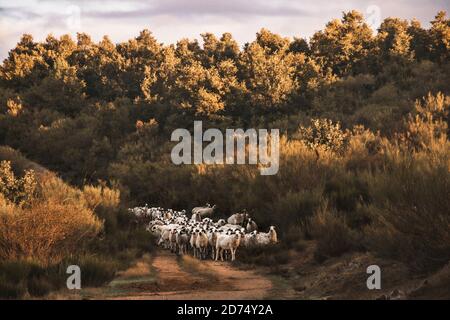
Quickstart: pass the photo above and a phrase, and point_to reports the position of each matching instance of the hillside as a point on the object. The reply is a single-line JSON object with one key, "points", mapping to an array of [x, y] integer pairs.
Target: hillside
{"points": [[363, 152]]}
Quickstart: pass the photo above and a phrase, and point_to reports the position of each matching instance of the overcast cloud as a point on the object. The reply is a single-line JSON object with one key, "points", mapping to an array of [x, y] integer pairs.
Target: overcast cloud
{"points": [[171, 20]]}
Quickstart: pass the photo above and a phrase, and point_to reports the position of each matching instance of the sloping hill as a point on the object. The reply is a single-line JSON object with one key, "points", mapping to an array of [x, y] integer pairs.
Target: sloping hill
{"points": [[20, 162]]}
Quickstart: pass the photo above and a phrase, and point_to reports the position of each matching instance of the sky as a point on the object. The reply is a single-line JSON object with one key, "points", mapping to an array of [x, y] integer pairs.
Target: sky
{"points": [[172, 20]]}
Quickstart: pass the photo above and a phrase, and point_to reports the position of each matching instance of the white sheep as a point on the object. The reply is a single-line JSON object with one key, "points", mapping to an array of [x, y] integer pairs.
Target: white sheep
{"points": [[266, 238], [212, 239], [220, 223], [201, 243], [249, 239], [229, 241], [193, 241], [237, 218], [196, 217], [204, 211], [231, 227], [175, 231], [182, 240]]}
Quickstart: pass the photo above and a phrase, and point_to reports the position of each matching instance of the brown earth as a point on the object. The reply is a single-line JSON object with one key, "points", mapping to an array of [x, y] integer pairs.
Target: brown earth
{"points": [[167, 276]]}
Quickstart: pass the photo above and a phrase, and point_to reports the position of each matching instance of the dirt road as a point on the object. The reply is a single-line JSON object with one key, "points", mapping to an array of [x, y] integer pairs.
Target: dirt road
{"points": [[166, 276]]}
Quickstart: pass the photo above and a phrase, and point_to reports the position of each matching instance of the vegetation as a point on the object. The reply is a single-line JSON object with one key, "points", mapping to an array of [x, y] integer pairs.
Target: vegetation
{"points": [[46, 225], [364, 152]]}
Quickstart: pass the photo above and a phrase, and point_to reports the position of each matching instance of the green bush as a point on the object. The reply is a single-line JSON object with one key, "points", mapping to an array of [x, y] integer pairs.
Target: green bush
{"points": [[39, 286], [412, 223], [271, 255], [96, 271], [333, 235], [13, 276]]}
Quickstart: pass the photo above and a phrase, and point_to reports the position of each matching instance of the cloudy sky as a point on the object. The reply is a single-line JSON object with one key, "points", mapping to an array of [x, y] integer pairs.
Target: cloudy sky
{"points": [[171, 20]]}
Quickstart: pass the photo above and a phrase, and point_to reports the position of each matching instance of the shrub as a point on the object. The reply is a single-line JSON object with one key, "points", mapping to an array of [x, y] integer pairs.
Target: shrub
{"points": [[333, 235], [96, 271], [346, 191], [13, 276], [39, 286], [324, 133], [101, 196], [47, 231], [411, 216], [265, 255], [17, 190]]}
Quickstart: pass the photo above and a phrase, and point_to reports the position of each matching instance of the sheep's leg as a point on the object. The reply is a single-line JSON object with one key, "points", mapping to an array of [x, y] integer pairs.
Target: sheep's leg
{"points": [[217, 253]]}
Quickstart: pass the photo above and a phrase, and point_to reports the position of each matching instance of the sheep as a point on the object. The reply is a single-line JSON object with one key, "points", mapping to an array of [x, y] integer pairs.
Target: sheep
{"points": [[196, 217], [251, 226], [273, 235], [193, 241], [164, 238], [237, 218], [232, 227], [172, 240], [201, 243], [229, 241], [266, 238], [249, 239], [175, 231], [180, 220], [220, 223], [182, 240], [212, 238], [204, 211], [167, 215]]}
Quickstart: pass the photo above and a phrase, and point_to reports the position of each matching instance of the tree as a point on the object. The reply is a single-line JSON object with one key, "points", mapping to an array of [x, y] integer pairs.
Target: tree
{"points": [[267, 69], [344, 45], [24, 66], [394, 41], [440, 37], [420, 40]]}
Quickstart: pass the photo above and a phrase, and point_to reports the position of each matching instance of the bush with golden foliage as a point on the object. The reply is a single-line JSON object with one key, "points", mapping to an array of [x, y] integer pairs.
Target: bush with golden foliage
{"points": [[54, 224]]}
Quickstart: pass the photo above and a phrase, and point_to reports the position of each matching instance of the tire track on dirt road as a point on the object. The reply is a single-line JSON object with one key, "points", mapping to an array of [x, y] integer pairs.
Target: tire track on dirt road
{"points": [[221, 281]]}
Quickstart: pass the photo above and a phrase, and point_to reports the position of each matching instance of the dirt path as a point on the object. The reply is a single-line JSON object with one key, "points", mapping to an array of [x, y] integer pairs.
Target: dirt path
{"points": [[166, 276]]}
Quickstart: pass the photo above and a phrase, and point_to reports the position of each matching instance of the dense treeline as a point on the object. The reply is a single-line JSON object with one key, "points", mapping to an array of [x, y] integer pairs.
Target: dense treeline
{"points": [[364, 118], [77, 106]]}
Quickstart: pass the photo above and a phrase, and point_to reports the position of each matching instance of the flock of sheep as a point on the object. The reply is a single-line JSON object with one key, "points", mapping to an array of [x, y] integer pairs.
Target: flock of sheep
{"points": [[199, 234]]}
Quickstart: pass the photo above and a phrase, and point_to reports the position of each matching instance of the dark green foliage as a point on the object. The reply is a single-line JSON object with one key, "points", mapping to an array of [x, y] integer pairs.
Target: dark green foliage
{"points": [[102, 113]]}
